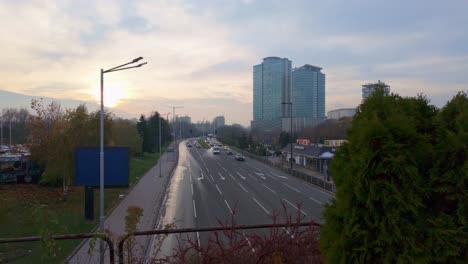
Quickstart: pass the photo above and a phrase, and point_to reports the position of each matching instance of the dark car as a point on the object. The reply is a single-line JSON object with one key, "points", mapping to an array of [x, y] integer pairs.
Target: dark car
{"points": [[229, 152], [239, 157]]}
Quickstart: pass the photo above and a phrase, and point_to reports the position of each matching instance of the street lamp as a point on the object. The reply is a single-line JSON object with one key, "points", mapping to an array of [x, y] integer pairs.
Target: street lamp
{"points": [[160, 153], [175, 120], [291, 133], [101, 153]]}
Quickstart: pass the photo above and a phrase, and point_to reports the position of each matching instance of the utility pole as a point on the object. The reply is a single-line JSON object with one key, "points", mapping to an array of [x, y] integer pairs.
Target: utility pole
{"points": [[175, 121], [160, 152], [291, 134], [10, 134]]}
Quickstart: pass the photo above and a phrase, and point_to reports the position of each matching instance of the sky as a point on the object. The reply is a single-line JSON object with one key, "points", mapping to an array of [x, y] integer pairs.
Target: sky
{"points": [[200, 53]]}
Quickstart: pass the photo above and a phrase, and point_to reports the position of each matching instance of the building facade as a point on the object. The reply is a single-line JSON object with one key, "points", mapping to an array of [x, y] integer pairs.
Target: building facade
{"points": [[186, 119], [271, 87], [308, 92], [219, 121], [342, 112], [368, 89]]}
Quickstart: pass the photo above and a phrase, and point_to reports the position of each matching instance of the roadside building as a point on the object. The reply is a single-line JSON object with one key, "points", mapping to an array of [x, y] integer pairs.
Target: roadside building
{"points": [[313, 157]]}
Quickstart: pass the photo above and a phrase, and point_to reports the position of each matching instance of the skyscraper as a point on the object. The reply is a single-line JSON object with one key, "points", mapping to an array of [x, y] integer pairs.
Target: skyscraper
{"points": [[368, 89], [219, 121], [307, 97], [272, 86], [308, 92]]}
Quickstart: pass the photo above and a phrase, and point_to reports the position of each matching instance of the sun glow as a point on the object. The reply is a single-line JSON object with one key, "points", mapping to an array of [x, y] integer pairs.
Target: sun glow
{"points": [[113, 94]]}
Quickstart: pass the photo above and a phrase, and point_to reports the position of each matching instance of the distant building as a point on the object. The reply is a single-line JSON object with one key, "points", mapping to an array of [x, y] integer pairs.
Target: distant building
{"points": [[271, 87], [308, 92], [307, 97], [368, 89], [186, 119], [342, 112], [219, 121]]}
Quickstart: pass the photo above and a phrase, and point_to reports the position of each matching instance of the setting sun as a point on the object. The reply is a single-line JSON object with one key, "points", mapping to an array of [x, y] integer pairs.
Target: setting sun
{"points": [[113, 94]]}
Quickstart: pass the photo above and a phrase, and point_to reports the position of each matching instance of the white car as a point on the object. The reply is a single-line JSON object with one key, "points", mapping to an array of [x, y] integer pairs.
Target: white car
{"points": [[216, 150]]}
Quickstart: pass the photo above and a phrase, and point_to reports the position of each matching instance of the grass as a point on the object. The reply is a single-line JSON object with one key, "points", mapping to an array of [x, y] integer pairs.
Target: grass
{"points": [[203, 144], [32, 210]]}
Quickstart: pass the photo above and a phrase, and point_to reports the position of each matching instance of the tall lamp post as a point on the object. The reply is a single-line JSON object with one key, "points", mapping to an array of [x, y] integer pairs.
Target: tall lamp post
{"points": [[291, 133], [160, 152], [101, 153], [174, 116]]}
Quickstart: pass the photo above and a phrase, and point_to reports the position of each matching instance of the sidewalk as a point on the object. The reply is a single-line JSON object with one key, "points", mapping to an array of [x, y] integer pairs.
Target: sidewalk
{"points": [[279, 162], [148, 194]]}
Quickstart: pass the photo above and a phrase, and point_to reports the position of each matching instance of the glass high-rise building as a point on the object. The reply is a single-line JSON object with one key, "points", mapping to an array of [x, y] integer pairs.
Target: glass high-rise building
{"points": [[271, 87], [308, 92]]}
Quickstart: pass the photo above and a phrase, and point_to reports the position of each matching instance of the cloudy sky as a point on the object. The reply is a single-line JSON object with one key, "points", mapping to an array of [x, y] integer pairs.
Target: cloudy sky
{"points": [[200, 53]]}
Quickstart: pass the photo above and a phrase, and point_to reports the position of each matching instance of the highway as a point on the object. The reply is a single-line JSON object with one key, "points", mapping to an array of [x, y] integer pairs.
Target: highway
{"points": [[208, 188]]}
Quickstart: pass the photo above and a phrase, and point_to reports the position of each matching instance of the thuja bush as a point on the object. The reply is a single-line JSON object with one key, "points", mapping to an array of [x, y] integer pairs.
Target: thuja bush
{"points": [[401, 184]]}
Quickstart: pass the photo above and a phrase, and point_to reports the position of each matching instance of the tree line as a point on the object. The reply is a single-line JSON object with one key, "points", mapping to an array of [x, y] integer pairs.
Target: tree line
{"points": [[52, 134]]}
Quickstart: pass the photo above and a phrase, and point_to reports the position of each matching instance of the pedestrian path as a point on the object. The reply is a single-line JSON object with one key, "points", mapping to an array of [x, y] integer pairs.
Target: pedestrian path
{"points": [[148, 194]]}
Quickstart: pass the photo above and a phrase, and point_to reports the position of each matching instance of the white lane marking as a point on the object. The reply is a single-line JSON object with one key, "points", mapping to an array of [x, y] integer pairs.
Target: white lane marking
{"points": [[221, 176], [192, 188], [222, 167], [194, 209], [292, 188], [269, 189], [202, 176], [287, 232], [207, 169], [219, 190], [261, 175], [229, 207], [242, 187], [315, 200], [294, 206], [198, 239], [190, 178], [248, 241], [242, 169], [232, 176], [211, 176], [242, 177], [279, 176], [264, 209]]}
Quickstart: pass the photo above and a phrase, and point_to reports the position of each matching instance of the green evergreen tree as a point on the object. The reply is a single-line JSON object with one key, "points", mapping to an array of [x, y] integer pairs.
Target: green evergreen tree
{"points": [[381, 177], [447, 204]]}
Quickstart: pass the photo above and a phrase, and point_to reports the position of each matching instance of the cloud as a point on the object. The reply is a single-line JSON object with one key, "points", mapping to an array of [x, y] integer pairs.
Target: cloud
{"points": [[200, 54]]}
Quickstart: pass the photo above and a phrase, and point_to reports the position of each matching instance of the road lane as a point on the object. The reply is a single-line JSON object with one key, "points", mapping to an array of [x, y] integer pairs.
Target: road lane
{"points": [[209, 190]]}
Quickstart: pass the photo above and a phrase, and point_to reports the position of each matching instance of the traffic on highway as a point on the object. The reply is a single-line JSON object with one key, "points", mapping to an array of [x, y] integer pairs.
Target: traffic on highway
{"points": [[215, 186]]}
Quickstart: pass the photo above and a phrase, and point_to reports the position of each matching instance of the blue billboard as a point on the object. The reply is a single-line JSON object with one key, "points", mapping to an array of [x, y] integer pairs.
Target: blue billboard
{"points": [[116, 166]]}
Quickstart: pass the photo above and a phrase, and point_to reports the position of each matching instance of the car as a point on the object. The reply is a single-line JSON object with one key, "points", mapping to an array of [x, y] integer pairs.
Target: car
{"points": [[220, 145], [189, 145], [239, 157], [197, 145], [229, 152], [216, 151], [226, 148]]}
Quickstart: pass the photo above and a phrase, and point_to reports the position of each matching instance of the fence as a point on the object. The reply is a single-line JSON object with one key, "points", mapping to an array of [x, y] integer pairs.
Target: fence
{"points": [[122, 240], [298, 174]]}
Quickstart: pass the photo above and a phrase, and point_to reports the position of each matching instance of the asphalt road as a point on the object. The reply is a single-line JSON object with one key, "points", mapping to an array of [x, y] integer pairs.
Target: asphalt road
{"points": [[208, 189]]}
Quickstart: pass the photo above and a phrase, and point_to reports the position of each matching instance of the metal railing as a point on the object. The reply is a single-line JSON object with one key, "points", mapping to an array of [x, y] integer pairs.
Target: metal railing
{"points": [[65, 237], [123, 239]]}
